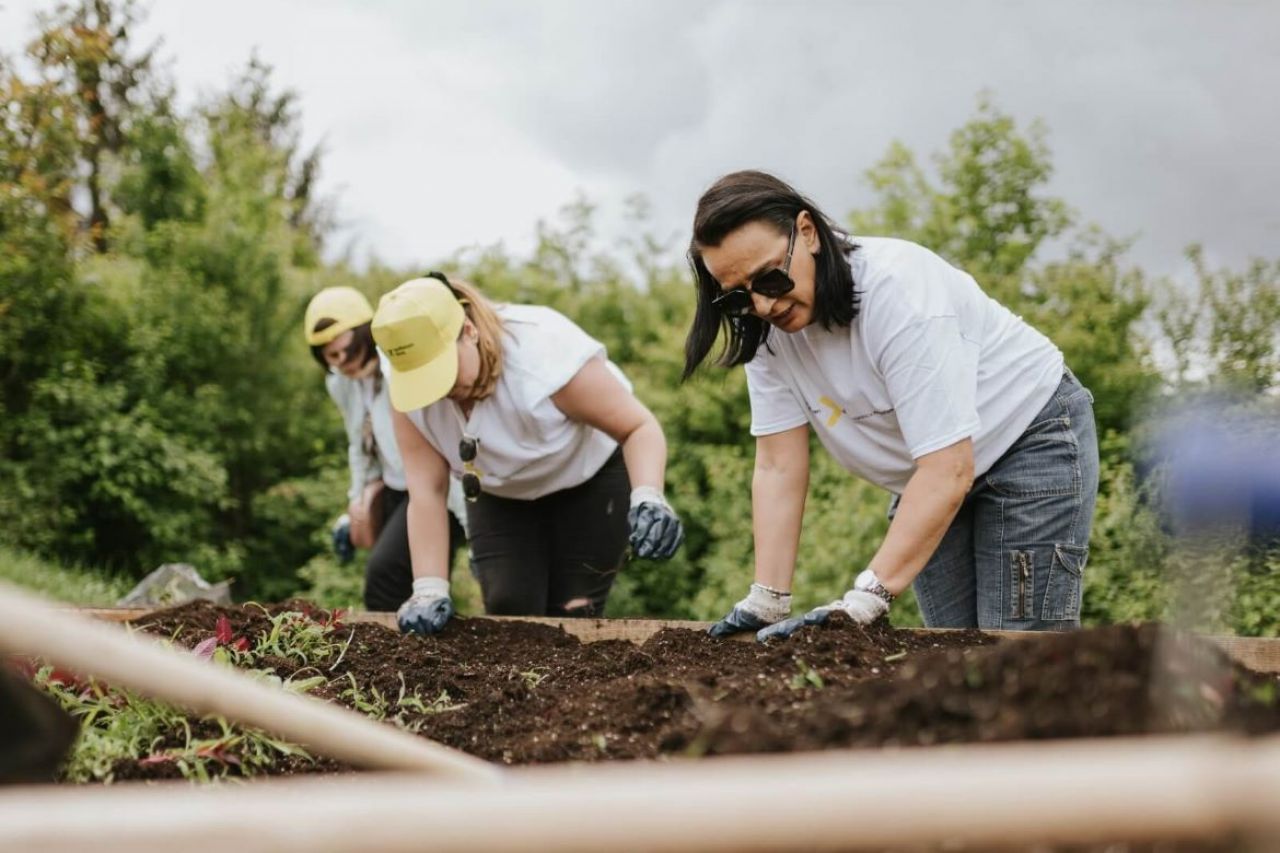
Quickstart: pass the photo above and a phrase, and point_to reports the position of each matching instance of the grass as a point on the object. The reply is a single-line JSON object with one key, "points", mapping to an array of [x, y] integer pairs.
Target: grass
{"points": [[119, 725], [69, 584]]}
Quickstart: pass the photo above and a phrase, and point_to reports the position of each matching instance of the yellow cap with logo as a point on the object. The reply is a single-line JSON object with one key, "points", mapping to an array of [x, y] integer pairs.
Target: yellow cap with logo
{"points": [[345, 306], [417, 327]]}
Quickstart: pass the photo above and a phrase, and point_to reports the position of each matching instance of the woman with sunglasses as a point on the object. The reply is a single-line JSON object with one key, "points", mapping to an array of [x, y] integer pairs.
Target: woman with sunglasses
{"points": [[913, 379], [561, 465], [337, 330]]}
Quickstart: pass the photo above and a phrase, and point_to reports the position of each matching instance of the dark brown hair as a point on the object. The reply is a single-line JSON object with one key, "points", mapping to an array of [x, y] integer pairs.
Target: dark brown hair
{"points": [[361, 345]]}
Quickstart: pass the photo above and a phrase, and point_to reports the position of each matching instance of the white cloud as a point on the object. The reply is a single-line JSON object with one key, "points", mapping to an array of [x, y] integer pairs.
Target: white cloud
{"points": [[455, 124]]}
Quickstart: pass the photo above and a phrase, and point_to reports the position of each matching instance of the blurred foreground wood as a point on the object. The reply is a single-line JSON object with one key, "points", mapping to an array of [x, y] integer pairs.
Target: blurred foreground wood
{"points": [[1140, 789], [34, 627]]}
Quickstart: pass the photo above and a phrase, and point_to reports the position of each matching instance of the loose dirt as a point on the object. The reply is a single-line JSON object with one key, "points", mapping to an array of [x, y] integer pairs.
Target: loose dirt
{"points": [[526, 693]]}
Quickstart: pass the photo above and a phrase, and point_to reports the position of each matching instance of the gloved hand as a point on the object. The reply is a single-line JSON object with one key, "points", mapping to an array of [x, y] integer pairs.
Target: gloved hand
{"points": [[762, 606], [656, 531], [864, 604], [342, 539], [428, 609]]}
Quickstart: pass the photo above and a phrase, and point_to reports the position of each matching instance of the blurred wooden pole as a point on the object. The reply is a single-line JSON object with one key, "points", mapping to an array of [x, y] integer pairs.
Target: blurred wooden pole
{"points": [[1142, 789], [31, 626]]}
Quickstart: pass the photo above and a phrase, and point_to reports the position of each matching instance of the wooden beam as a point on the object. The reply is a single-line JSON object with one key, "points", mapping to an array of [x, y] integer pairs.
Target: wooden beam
{"points": [[1141, 789], [30, 626], [1261, 654]]}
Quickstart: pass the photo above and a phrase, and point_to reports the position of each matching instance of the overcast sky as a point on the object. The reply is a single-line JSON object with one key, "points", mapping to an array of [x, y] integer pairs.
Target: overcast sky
{"points": [[463, 123]]}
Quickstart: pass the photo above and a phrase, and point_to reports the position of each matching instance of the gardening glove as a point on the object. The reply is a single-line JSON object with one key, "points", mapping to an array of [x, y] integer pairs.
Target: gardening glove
{"points": [[342, 539], [656, 531], [428, 609], [762, 606], [864, 604]]}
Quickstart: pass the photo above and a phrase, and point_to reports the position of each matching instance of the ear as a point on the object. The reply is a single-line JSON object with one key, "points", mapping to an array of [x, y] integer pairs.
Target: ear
{"points": [[807, 233], [469, 330]]}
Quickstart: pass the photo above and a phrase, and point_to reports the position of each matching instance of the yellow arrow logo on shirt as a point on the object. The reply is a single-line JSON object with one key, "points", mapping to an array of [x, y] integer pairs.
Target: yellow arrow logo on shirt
{"points": [[836, 411]]}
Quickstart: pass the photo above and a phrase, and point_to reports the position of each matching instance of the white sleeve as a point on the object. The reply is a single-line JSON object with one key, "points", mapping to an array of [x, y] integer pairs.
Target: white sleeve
{"points": [[559, 348], [930, 369], [343, 391], [774, 406]]}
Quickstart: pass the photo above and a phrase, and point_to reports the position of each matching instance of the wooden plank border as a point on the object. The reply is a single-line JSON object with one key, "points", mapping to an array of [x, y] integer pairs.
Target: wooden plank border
{"points": [[1063, 792], [1261, 654]]}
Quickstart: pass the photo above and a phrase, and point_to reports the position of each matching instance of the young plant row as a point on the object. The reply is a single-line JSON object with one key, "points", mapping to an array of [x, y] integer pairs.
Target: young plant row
{"points": [[124, 735]]}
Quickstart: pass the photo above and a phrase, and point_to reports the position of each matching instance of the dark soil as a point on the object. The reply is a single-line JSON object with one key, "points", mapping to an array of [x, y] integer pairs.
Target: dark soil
{"points": [[524, 693], [530, 693]]}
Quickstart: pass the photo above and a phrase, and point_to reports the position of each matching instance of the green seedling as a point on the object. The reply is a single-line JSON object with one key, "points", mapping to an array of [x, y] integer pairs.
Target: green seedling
{"points": [[533, 677], [294, 635], [375, 704], [806, 677], [117, 724]]}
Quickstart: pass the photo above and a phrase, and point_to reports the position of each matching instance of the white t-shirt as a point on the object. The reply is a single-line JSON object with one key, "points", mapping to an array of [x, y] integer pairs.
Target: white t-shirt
{"points": [[361, 401], [528, 448], [368, 399], [930, 360]]}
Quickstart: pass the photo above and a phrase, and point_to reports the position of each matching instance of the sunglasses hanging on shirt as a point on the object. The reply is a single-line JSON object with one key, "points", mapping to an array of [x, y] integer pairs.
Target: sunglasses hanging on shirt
{"points": [[467, 450]]}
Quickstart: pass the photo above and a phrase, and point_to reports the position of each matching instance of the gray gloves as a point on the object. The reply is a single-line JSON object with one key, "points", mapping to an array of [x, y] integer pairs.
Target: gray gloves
{"points": [[341, 533], [656, 531], [763, 606], [428, 609], [864, 604]]}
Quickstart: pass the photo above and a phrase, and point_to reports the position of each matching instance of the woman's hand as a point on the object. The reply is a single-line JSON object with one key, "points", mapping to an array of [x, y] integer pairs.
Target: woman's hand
{"points": [[341, 535], [596, 397], [864, 604], [428, 609], [762, 607], [656, 531]]}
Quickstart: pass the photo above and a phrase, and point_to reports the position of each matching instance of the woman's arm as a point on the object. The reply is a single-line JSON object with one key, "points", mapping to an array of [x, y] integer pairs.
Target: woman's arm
{"points": [[596, 397], [778, 490], [929, 504], [427, 477], [340, 389]]}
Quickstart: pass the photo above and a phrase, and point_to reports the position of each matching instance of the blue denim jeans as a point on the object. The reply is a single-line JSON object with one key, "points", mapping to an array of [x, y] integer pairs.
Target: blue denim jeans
{"points": [[1014, 556]]}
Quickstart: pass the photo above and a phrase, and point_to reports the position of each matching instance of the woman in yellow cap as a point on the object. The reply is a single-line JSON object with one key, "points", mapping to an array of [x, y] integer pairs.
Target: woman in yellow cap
{"points": [[337, 329], [561, 465]]}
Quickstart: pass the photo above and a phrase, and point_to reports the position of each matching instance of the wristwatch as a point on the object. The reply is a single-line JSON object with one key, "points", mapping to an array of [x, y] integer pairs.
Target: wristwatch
{"points": [[868, 582]]}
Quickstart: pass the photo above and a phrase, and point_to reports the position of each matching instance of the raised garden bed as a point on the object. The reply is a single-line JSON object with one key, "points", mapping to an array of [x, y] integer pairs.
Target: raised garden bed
{"points": [[518, 693]]}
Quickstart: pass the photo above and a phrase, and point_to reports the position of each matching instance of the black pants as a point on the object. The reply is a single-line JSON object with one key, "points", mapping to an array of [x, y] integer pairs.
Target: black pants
{"points": [[388, 578], [557, 555]]}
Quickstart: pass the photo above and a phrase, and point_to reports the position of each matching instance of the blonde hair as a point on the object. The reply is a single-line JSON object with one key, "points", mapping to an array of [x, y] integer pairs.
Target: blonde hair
{"points": [[480, 311]]}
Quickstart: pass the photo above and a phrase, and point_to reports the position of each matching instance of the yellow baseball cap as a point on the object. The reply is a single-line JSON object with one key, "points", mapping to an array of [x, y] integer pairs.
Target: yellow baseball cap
{"points": [[417, 327], [346, 306]]}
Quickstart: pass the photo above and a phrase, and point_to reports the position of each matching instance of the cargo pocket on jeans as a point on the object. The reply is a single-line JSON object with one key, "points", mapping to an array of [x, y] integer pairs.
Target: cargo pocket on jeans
{"points": [[1062, 591]]}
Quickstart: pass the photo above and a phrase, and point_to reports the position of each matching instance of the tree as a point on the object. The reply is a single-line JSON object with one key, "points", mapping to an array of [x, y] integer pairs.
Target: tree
{"points": [[1226, 334], [988, 211], [85, 51]]}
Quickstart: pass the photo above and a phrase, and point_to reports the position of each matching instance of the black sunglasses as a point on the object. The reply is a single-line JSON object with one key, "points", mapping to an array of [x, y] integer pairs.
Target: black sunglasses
{"points": [[770, 284], [467, 449]]}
